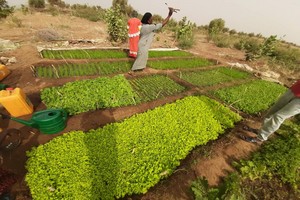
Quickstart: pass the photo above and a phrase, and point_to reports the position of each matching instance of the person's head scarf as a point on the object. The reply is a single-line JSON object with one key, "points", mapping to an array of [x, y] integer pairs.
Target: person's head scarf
{"points": [[146, 17]]}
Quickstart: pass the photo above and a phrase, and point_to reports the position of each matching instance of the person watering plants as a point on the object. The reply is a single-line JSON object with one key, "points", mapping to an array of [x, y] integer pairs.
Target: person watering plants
{"points": [[288, 105], [146, 37]]}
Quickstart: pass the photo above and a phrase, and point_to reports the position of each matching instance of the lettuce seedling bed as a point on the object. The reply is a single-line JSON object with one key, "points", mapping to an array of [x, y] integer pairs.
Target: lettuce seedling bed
{"points": [[83, 69], [155, 87], [212, 77], [180, 63], [86, 95], [127, 157], [252, 97]]}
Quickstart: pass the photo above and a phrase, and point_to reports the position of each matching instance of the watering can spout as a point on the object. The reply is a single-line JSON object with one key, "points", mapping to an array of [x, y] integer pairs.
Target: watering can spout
{"points": [[24, 122]]}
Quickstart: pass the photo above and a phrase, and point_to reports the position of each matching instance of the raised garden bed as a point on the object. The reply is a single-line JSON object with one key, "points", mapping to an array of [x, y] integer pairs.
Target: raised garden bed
{"points": [[212, 77], [83, 69], [252, 97], [155, 87], [83, 54], [180, 63], [85, 95]]}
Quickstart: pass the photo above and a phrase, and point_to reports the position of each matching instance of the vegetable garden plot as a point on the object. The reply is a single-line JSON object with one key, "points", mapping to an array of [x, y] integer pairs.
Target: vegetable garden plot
{"points": [[128, 157], [85, 95], [155, 87], [212, 77], [176, 53], [85, 69], [179, 63], [83, 54], [252, 97], [105, 53]]}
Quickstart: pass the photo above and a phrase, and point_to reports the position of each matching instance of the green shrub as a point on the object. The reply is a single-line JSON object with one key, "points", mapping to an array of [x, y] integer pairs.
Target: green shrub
{"points": [[116, 24], [287, 57], [267, 48], [5, 10], [36, 3], [215, 27], [222, 41], [94, 13], [184, 33], [230, 189]]}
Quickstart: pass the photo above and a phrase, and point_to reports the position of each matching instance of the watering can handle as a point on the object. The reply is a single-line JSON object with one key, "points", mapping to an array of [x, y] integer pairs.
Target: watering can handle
{"points": [[64, 114]]}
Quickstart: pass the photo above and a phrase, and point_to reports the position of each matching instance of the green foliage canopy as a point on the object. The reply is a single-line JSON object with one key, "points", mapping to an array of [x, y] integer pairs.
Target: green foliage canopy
{"points": [[117, 28], [5, 10], [36, 3]]}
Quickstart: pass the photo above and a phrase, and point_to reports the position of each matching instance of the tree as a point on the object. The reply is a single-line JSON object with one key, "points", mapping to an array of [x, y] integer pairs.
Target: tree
{"points": [[122, 5], [125, 8], [184, 33], [36, 3], [59, 3], [5, 10], [116, 25], [215, 27]]}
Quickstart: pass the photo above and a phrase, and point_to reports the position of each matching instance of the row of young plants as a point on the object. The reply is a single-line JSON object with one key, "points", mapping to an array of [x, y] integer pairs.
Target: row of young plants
{"points": [[84, 69], [153, 87], [252, 97], [85, 95], [83, 54], [213, 76], [270, 173], [106, 53], [180, 63], [128, 157]]}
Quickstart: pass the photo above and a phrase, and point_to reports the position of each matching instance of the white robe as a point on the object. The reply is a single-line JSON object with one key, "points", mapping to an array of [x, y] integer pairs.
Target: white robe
{"points": [[146, 38]]}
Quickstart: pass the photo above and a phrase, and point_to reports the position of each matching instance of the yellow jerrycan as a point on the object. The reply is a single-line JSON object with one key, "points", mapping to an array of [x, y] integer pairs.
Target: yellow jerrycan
{"points": [[15, 102]]}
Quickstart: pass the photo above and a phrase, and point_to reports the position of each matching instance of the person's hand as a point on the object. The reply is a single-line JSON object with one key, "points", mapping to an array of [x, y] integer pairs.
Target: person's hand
{"points": [[171, 10]]}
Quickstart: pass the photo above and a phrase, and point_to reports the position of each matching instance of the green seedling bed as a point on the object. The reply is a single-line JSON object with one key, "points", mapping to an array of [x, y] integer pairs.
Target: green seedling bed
{"points": [[212, 77], [85, 69], [180, 63], [155, 87], [84, 54], [252, 97]]}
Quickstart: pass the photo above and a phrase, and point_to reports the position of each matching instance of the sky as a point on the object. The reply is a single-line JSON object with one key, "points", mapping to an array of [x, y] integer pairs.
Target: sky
{"points": [[267, 17]]}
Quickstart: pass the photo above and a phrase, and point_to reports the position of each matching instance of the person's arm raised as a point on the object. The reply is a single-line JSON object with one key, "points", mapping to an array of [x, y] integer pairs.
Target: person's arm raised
{"points": [[171, 10]]}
